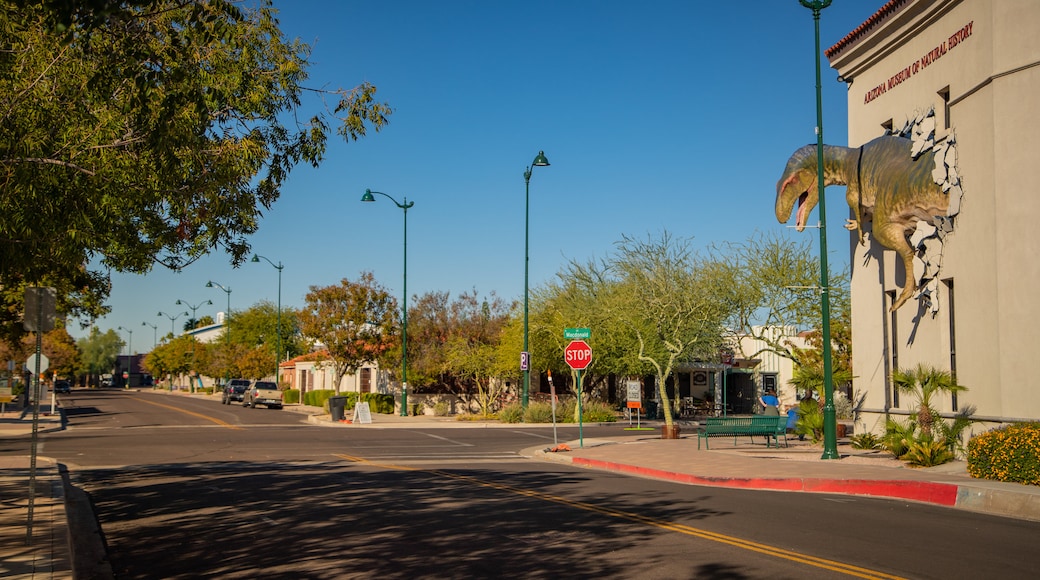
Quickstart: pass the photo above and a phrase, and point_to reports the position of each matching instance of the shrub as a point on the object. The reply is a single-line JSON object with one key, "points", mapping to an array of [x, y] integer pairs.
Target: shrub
{"points": [[441, 408], [898, 437], [598, 412], [926, 452], [866, 440], [377, 402], [810, 420], [511, 413], [291, 396], [317, 398], [1010, 453], [539, 413]]}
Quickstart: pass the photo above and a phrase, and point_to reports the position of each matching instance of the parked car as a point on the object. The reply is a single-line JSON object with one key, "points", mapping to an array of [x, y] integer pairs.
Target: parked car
{"points": [[234, 391], [263, 393], [62, 387]]}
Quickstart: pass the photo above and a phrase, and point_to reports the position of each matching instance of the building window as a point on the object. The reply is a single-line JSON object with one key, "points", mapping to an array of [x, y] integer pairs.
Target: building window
{"points": [[944, 96], [953, 337]]}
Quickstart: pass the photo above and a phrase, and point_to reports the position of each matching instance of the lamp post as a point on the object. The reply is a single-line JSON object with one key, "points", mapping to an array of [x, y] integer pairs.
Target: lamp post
{"points": [[129, 354], [227, 329], [368, 197], [830, 438], [539, 161], [155, 333], [194, 319], [278, 355], [172, 319]]}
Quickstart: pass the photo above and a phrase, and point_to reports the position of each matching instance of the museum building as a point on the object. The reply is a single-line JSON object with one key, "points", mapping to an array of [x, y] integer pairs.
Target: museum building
{"points": [[961, 78]]}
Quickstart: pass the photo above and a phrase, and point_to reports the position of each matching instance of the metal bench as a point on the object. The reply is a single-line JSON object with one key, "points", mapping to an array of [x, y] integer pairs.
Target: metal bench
{"points": [[769, 426]]}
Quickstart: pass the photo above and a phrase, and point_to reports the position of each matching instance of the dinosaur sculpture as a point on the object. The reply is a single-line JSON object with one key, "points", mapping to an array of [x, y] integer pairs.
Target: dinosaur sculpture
{"points": [[888, 181]]}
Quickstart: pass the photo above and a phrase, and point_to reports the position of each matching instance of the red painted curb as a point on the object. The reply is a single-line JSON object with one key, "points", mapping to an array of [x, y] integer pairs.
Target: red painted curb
{"points": [[923, 491]]}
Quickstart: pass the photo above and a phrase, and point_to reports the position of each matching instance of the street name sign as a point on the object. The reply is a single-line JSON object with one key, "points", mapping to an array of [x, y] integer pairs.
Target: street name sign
{"points": [[576, 333]]}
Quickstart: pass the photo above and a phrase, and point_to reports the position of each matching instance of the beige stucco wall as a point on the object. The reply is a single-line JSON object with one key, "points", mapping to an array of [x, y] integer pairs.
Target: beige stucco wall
{"points": [[991, 257]]}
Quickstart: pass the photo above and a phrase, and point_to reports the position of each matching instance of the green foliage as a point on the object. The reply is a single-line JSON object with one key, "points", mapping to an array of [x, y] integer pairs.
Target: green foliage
{"points": [[1009, 453], [441, 409], [866, 440], [924, 382], [377, 402], [598, 412], [291, 396], [511, 413], [98, 352], [357, 322], [810, 420], [154, 138], [539, 412], [898, 436], [927, 452], [318, 397]]}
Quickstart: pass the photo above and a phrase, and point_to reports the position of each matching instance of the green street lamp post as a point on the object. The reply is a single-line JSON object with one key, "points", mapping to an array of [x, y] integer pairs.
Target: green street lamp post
{"points": [[368, 197], [539, 161], [194, 319], [155, 333], [830, 438], [129, 355], [227, 330], [194, 325], [173, 319], [278, 355]]}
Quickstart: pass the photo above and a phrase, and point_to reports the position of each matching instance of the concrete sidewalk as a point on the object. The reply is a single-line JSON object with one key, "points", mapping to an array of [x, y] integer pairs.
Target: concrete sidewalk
{"points": [[65, 535]]}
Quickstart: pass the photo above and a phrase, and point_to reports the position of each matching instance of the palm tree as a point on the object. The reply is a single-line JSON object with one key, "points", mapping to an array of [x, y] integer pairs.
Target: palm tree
{"points": [[923, 382]]}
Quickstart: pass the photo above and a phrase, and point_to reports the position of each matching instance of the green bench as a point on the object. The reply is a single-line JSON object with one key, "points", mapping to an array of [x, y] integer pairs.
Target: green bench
{"points": [[769, 426]]}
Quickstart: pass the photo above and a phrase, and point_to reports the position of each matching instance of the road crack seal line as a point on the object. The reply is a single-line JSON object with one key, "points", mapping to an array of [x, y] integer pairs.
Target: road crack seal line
{"points": [[765, 549], [192, 413]]}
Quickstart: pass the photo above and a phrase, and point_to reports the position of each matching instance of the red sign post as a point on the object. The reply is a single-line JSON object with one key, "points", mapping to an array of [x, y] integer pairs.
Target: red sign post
{"points": [[577, 354]]}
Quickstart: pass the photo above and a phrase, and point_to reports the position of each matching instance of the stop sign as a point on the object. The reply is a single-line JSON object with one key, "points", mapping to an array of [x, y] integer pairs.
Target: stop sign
{"points": [[578, 354]]}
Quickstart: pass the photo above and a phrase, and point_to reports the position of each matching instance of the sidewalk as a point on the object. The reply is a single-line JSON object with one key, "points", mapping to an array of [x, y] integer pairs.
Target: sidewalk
{"points": [[65, 533]]}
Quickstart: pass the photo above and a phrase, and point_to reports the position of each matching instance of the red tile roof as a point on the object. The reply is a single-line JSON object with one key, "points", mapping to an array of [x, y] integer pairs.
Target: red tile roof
{"points": [[890, 8]]}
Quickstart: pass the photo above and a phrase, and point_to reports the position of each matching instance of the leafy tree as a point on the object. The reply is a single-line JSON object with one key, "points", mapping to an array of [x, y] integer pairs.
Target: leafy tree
{"points": [[206, 320], [673, 312], [98, 353], [150, 132], [473, 354], [174, 357], [771, 282], [356, 321], [258, 326]]}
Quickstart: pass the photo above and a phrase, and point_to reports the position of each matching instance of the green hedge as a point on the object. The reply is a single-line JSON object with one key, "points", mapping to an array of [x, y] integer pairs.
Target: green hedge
{"points": [[1010, 453], [291, 396], [377, 402]]}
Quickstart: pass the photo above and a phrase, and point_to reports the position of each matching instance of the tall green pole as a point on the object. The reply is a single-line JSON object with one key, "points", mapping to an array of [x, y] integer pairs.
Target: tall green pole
{"points": [[368, 197], [539, 161], [830, 437], [278, 355]]}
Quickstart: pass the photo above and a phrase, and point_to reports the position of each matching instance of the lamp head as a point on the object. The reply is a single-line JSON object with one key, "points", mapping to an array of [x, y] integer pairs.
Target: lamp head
{"points": [[210, 302], [540, 160], [368, 196], [209, 284], [255, 258], [178, 302]]}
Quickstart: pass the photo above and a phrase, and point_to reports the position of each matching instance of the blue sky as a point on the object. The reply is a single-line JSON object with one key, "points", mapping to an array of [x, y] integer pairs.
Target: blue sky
{"points": [[670, 115]]}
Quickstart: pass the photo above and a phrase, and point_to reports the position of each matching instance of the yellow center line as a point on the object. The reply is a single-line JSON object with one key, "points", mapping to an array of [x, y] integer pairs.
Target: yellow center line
{"points": [[192, 413], [766, 549]]}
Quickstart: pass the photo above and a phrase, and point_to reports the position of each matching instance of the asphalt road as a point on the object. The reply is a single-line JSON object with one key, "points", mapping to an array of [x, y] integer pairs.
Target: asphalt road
{"points": [[186, 488]]}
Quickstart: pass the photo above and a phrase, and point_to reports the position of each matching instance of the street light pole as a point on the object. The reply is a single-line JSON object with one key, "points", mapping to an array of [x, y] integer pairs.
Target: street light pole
{"points": [[173, 332], [227, 330], [155, 333], [539, 161], [830, 438], [278, 355], [367, 197], [194, 318], [194, 325], [129, 354]]}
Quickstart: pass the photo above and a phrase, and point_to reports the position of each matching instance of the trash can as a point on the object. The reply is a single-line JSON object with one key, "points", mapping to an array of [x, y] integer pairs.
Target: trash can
{"points": [[337, 405]]}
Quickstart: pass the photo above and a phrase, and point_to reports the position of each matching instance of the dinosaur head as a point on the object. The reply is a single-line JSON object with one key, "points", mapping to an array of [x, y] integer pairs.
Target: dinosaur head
{"points": [[798, 183]]}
